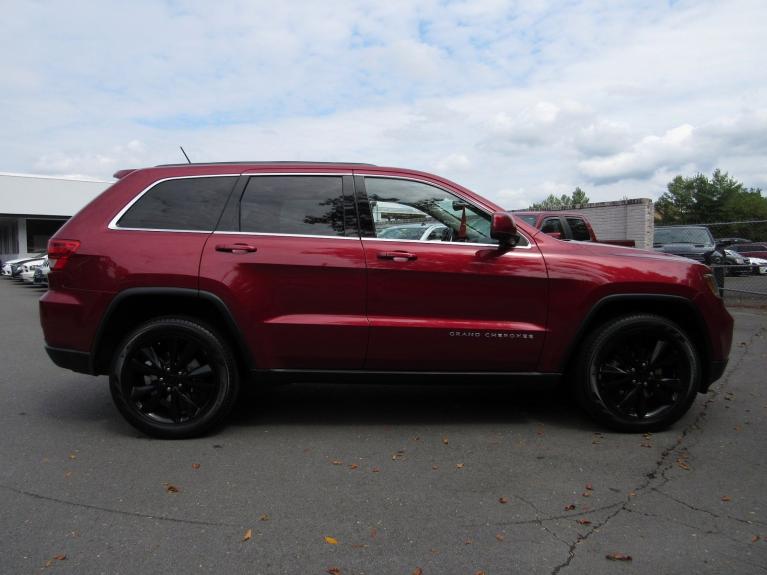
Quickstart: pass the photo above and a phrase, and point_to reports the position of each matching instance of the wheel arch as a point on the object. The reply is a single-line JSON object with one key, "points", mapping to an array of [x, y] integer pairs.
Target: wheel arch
{"points": [[678, 309], [134, 306]]}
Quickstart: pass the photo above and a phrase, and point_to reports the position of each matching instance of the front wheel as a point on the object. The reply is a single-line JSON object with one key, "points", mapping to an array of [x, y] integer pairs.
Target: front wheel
{"points": [[638, 373], [174, 378]]}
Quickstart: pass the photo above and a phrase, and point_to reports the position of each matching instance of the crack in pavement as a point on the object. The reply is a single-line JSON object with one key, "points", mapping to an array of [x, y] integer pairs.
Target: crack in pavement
{"points": [[707, 511], [117, 511], [662, 465]]}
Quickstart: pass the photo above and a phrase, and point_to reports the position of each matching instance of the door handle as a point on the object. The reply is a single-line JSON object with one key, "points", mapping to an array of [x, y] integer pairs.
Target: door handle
{"points": [[397, 256], [236, 248]]}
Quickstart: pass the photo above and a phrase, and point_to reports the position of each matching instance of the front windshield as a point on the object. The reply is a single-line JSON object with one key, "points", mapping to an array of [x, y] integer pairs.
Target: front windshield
{"points": [[683, 235]]}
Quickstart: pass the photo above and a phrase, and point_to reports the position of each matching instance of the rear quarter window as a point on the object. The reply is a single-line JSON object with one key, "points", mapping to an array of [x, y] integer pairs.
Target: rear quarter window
{"points": [[193, 204]]}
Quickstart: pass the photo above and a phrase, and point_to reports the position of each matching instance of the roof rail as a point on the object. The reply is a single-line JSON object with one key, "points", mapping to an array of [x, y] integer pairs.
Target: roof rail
{"points": [[261, 162]]}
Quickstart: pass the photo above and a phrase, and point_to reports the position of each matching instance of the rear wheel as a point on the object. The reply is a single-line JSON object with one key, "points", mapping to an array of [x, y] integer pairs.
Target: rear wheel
{"points": [[174, 378], [638, 373]]}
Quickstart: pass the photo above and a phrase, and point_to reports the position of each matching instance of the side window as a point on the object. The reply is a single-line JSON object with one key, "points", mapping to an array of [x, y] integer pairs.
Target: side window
{"points": [[180, 204], [405, 209], [579, 229], [305, 205], [552, 225]]}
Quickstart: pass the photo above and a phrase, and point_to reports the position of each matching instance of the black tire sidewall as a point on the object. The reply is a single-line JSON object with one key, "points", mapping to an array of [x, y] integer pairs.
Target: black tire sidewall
{"points": [[219, 353], [590, 400]]}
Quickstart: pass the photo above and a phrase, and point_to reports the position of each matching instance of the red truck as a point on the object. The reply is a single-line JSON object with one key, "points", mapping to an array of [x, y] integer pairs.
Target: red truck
{"points": [[184, 283], [567, 226]]}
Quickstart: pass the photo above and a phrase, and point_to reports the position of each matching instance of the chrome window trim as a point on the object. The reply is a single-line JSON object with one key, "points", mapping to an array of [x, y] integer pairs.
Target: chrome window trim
{"points": [[432, 184], [113, 223], [440, 243], [236, 233]]}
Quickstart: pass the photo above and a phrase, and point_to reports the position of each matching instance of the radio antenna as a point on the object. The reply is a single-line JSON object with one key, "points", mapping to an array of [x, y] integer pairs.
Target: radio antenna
{"points": [[183, 152]]}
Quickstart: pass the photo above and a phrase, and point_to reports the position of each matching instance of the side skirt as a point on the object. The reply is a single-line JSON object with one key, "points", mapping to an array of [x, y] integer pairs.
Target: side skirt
{"points": [[399, 377]]}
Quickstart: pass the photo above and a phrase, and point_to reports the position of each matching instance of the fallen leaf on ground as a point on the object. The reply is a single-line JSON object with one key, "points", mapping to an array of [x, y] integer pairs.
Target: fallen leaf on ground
{"points": [[72, 456], [589, 487], [445, 441], [334, 571], [683, 465], [618, 557], [264, 517], [353, 466], [632, 494], [503, 500], [373, 532], [500, 536], [459, 465], [570, 507], [248, 535], [375, 470], [586, 494], [726, 498], [754, 539], [195, 465], [337, 462], [399, 455], [468, 542], [435, 466], [59, 557], [479, 573], [170, 488], [583, 522], [331, 540], [418, 571]]}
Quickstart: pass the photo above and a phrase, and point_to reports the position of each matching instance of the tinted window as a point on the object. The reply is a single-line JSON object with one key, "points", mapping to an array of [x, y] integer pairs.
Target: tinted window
{"points": [[181, 204], [306, 205], [410, 207], [552, 225], [683, 235], [529, 219], [579, 229]]}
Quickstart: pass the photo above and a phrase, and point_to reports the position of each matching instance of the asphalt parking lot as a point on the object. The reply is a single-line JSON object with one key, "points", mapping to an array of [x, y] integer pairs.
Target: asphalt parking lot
{"points": [[372, 479]]}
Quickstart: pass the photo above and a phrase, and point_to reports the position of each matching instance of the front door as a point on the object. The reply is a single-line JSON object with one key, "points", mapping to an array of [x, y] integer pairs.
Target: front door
{"points": [[441, 295]]}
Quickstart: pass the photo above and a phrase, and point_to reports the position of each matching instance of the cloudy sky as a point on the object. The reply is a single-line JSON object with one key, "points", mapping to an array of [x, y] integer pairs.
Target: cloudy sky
{"points": [[516, 100]]}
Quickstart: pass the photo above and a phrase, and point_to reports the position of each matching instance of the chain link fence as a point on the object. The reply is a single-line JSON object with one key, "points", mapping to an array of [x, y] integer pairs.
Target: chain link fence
{"points": [[741, 267]]}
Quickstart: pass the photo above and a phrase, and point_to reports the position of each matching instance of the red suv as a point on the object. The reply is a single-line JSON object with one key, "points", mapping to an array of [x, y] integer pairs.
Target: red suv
{"points": [[183, 282]]}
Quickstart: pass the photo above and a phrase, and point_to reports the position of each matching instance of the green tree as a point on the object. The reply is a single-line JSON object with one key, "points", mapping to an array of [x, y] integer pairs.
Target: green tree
{"points": [[580, 197], [699, 199], [563, 202]]}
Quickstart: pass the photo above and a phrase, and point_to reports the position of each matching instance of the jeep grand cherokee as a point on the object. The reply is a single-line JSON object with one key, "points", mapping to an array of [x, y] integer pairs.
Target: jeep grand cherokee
{"points": [[185, 282]]}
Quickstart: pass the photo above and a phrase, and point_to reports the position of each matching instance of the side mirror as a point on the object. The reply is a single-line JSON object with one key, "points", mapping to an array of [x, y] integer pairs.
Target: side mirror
{"points": [[503, 229], [555, 235]]}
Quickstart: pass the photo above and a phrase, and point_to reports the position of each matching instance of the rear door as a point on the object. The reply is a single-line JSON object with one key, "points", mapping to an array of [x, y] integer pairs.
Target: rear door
{"points": [[453, 304], [288, 261]]}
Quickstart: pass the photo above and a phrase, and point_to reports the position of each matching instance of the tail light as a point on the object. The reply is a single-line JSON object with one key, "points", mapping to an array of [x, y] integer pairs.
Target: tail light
{"points": [[59, 252]]}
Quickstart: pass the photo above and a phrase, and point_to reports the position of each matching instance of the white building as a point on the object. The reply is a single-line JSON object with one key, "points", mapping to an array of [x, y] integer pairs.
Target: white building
{"points": [[32, 208]]}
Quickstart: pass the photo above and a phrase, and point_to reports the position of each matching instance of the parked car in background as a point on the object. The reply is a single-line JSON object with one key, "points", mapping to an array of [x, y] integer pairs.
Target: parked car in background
{"points": [[694, 242], [27, 274], [16, 266], [185, 282], [751, 250], [736, 263], [758, 266], [567, 226], [41, 273], [10, 266], [425, 232]]}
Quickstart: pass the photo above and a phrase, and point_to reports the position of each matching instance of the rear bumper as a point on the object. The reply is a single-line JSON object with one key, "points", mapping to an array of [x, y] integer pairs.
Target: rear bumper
{"points": [[79, 361]]}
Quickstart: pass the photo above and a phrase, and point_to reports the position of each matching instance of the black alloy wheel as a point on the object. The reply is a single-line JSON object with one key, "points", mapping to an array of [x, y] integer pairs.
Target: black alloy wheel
{"points": [[639, 373], [174, 378]]}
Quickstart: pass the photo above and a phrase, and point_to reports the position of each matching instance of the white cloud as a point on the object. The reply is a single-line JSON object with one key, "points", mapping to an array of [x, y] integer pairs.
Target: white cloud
{"points": [[515, 100]]}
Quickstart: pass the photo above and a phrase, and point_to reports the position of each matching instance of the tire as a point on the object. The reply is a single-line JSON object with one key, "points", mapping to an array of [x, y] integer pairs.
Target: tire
{"points": [[174, 378], [638, 373]]}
